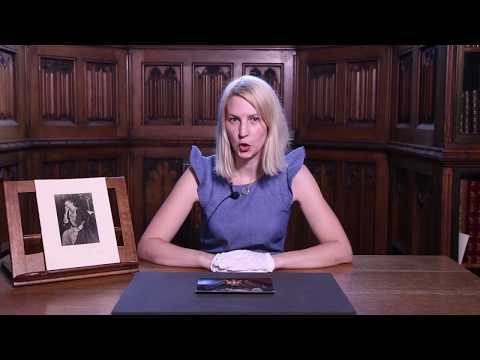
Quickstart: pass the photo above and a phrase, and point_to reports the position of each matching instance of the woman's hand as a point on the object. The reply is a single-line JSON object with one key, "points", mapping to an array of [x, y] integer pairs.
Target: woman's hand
{"points": [[243, 261]]}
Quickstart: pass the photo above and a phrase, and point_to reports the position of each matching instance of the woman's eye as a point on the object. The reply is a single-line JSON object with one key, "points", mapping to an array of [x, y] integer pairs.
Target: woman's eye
{"points": [[255, 119], [232, 119]]}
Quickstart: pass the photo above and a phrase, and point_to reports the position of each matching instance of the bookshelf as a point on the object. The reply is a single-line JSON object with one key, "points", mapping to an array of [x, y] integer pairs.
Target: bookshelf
{"points": [[467, 129], [467, 214]]}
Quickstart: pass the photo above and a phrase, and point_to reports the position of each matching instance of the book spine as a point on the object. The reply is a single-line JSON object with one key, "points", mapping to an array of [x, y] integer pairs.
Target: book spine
{"points": [[466, 118], [473, 221], [475, 111], [463, 206]]}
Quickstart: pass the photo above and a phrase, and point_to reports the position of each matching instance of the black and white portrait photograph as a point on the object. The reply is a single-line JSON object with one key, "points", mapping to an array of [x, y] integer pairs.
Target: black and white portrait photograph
{"points": [[76, 223], [76, 219]]}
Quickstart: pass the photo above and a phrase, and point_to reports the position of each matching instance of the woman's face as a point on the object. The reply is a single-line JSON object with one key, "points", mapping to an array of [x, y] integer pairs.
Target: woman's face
{"points": [[69, 205], [245, 128]]}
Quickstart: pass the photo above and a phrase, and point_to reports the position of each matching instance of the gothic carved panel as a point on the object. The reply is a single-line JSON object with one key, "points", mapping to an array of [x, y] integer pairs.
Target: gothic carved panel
{"points": [[8, 171], [423, 219], [405, 88], [272, 74], [57, 95], [208, 84], [162, 96], [362, 93], [427, 85], [359, 181], [299, 234], [321, 84], [400, 222], [101, 92], [325, 172], [102, 168], [7, 87], [160, 175], [107, 168], [60, 170]]}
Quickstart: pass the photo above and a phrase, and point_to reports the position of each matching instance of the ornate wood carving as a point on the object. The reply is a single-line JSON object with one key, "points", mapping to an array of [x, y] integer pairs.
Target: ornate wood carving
{"points": [[401, 224], [60, 170], [57, 92], [7, 86], [360, 205], [102, 168], [162, 96], [299, 234], [101, 86], [7, 172], [362, 93], [160, 175], [272, 74], [405, 88], [325, 173], [321, 84], [208, 84], [427, 85], [423, 220]]}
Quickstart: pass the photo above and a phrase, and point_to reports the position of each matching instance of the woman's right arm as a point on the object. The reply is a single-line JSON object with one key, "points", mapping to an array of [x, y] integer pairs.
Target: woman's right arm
{"points": [[155, 244]]}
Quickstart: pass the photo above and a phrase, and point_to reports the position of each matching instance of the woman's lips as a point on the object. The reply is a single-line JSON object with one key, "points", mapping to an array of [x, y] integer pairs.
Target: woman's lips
{"points": [[244, 147]]}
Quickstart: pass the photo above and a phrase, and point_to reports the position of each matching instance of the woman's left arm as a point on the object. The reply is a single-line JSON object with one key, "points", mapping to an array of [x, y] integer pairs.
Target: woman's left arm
{"points": [[334, 247]]}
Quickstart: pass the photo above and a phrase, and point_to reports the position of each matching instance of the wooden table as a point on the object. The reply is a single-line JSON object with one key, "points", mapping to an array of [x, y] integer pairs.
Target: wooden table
{"points": [[377, 285]]}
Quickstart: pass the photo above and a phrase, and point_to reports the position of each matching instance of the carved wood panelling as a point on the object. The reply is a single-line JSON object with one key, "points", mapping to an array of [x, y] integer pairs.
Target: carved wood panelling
{"points": [[7, 86], [325, 172], [101, 91], [321, 93], [299, 234], [108, 168], [208, 84], [160, 175], [400, 223], [102, 168], [69, 169], [362, 94], [423, 219], [350, 188], [162, 97], [427, 85], [272, 74], [60, 169], [405, 88], [359, 208], [8, 171], [57, 89]]}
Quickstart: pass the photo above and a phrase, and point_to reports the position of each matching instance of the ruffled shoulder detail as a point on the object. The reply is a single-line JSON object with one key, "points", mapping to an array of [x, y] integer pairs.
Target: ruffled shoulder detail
{"points": [[294, 160], [199, 163]]}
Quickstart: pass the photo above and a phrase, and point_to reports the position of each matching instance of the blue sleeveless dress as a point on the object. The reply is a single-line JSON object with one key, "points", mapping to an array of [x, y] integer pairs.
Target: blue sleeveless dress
{"points": [[256, 221]]}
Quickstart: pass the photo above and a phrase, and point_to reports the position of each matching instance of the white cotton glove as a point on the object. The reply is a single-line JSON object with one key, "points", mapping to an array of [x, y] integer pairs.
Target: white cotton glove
{"points": [[243, 261]]}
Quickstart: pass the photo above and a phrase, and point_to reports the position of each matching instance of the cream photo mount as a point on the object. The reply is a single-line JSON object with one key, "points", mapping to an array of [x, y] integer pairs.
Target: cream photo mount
{"points": [[26, 269]]}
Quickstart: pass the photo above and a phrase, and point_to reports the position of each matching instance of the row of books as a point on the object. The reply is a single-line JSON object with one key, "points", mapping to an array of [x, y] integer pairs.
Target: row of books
{"points": [[469, 218], [470, 116]]}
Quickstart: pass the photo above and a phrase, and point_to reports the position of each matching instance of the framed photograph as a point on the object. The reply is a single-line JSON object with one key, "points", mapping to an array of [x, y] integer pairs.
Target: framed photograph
{"points": [[76, 223]]}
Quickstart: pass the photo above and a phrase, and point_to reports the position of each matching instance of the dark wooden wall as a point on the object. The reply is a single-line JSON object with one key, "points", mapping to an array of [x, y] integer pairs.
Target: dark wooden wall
{"points": [[376, 122]]}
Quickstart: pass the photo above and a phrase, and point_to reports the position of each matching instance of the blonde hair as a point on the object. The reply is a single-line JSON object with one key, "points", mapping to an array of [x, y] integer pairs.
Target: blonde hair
{"points": [[263, 98]]}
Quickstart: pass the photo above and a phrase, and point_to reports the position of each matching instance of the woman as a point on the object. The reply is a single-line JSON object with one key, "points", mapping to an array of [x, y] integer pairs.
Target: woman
{"points": [[246, 191], [80, 224]]}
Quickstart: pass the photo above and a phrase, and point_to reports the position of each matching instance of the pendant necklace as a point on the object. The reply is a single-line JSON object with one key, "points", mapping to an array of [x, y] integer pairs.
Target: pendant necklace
{"points": [[246, 189]]}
